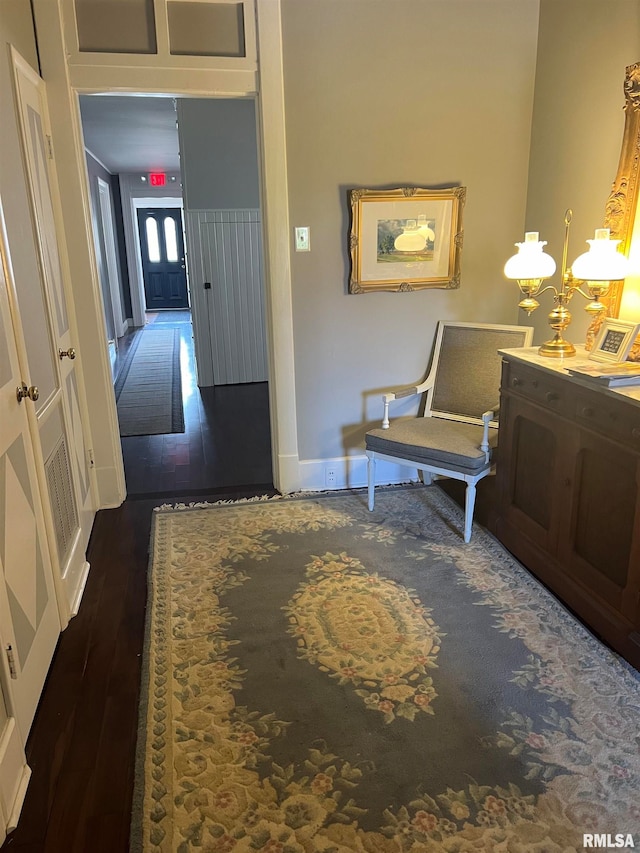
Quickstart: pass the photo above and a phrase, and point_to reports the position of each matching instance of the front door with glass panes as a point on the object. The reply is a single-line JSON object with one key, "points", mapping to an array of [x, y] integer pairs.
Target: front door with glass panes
{"points": [[162, 250]]}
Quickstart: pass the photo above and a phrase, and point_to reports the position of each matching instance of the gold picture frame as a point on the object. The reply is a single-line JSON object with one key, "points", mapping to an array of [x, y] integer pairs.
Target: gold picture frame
{"points": [[620, 210], [404, 239]]}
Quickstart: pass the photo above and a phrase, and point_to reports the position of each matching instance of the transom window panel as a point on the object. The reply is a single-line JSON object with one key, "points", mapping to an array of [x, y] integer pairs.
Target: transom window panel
{"points": [[153, 241], [206, 29], [116, 26], [170, 238]]}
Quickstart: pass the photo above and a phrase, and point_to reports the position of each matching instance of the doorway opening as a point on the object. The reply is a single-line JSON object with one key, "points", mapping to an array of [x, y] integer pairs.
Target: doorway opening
{"points": [[226, 442]]}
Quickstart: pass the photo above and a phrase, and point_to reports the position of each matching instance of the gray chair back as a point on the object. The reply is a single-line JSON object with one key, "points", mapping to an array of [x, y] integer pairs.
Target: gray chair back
{"points": [[468, 367]]}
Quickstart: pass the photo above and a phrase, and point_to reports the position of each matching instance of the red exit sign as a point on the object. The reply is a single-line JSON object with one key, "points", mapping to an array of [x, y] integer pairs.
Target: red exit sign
{"points": [[157, 179]]}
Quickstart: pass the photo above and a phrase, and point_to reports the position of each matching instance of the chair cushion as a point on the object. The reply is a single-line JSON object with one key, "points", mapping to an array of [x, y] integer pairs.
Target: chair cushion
{"points": [[436, 441]]}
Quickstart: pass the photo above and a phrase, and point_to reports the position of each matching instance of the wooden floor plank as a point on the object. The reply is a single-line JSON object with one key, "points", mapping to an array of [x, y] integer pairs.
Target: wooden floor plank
{"points": [[82, 745], [81, 748]]}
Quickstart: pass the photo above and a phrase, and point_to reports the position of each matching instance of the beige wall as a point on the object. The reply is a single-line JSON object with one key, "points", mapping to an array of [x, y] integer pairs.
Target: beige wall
{"points": [[583, 50], [380, 94], [423, 92]]}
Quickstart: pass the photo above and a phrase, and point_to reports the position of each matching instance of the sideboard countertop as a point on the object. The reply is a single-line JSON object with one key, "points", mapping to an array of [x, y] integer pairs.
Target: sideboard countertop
{"points": [[531, 356]]}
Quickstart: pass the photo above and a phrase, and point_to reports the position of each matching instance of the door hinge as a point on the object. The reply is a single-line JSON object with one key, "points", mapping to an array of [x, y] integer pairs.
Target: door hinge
{"points": [[92, 461], [49, 147], [12, 662]]}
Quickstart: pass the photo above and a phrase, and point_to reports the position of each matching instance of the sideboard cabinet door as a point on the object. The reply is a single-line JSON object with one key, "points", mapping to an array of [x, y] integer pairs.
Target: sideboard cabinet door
{"points": [[534, 471], [604, 527], [568, 493]]}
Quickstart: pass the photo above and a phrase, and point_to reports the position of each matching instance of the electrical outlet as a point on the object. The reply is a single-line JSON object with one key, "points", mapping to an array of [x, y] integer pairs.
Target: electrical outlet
{"points": [[302, 239], [330, 476]]}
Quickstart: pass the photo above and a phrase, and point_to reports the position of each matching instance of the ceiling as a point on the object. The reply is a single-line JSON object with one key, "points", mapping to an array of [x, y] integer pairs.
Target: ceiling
{"points": [[131, 133]]}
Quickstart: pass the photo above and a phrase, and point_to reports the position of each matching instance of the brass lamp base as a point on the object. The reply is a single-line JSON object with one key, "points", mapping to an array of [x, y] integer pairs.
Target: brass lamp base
{"points": [[557, 347], [559, 319]]}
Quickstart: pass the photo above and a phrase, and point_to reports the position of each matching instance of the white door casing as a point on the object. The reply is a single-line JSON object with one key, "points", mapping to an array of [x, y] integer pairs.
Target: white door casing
{"points": [[106, 223], [61, 431], [69, 72], [111, 262], [109, 318]]}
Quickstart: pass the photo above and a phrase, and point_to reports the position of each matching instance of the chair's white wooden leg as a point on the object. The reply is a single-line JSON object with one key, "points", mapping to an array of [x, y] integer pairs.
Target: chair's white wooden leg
{"points": [[385, 418], [469, 503], [371, 481]]}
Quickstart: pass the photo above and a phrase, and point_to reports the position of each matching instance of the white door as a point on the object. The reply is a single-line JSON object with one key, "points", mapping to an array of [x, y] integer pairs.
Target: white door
{"points": [[29, 618], [14, 442], [14, 772], [60, 426]]}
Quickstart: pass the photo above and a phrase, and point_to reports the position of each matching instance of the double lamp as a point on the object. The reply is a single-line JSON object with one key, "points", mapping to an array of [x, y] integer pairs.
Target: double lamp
{"points": [[594, 269]]}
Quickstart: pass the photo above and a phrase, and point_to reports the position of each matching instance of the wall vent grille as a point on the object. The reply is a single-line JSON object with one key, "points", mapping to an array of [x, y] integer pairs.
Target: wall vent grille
{"points": [[63, 505]]}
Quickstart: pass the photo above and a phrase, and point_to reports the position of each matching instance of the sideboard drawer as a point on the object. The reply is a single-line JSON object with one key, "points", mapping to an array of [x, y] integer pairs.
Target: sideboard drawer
{"points": [[536, 386], [617, 421]]}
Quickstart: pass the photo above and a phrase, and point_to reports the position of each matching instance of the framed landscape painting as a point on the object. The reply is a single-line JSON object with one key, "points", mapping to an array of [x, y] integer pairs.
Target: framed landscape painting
{"points": [[408, 238]]}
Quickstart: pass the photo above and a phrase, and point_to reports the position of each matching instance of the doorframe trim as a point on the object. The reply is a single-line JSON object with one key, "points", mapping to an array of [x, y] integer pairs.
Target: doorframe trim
{"points": [[111, 261], [272, 150], [66, 83]]}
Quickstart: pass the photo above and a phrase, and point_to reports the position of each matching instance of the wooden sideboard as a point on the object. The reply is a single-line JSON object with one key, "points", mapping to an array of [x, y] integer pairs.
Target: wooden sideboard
{"points": [[568, 490]]}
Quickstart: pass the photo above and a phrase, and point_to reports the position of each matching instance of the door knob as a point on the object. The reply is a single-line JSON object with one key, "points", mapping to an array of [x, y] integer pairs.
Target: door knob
{"points": [[31, 392], [67, 353]]}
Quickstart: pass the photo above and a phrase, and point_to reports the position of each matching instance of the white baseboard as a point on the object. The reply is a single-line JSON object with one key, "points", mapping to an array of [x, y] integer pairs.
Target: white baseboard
{"points": [[21, 793], [350, 473], [286, 478], [76, 596], [111, 487]]}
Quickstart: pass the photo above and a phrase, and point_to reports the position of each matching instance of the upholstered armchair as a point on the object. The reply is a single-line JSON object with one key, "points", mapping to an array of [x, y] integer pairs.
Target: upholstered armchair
{"points": [[457, 434]]}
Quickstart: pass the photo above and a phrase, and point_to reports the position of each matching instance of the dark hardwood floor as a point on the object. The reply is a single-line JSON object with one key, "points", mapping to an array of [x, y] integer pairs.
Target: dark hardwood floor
{"points": [[226, 442], [82, 744]]}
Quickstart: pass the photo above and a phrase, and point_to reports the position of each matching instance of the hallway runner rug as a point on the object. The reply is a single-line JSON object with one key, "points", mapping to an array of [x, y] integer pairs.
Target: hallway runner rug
{"points": [[322, 678], [148, 387]]}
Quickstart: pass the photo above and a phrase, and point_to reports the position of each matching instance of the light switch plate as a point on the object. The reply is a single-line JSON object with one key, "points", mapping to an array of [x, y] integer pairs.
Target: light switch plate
{"points": [[302, 239]]}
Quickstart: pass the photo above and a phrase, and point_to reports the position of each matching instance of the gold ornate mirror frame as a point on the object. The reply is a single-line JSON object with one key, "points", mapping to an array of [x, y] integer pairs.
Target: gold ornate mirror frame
{"points": [[620, 211]]}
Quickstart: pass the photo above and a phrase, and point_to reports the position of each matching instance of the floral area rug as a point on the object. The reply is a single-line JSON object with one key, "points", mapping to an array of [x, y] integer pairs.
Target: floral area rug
{"points": [[323, 678]]}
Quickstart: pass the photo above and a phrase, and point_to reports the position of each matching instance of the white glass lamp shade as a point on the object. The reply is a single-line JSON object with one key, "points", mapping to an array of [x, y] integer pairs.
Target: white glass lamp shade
{"points": [[603, 261], [425, 229], [530, 262], [411, 240]]}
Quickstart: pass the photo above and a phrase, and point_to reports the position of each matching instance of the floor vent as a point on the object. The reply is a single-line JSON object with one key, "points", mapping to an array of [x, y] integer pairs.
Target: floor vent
{"points": [[63, 506]]}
